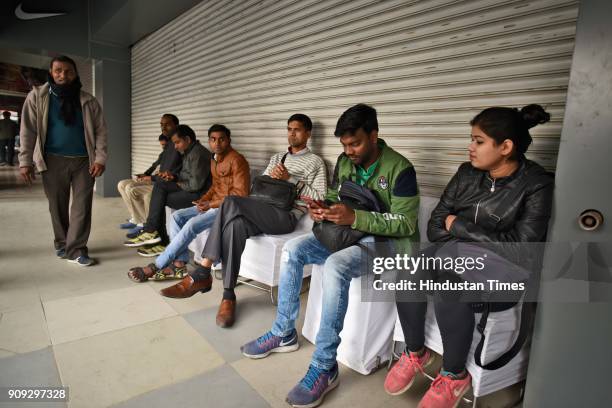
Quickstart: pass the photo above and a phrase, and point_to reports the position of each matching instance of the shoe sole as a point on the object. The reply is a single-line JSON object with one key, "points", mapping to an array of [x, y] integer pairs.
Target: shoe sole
{"points": [[74, 261], [143, 243], [407, 387], [461, 396], [318, 402], [149, 255], [283, 349]]}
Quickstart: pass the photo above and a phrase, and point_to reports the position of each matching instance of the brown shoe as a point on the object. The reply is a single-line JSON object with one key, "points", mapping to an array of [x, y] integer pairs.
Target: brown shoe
{"points": [[187, 287], [227, 313]]}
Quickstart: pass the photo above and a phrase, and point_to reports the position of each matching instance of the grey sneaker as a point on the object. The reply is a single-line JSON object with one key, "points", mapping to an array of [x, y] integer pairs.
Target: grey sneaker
{"points": [[82, 260]]}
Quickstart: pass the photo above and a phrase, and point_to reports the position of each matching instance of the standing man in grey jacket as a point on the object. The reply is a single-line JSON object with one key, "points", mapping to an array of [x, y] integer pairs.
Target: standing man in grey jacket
{"points": [[63, 134]]}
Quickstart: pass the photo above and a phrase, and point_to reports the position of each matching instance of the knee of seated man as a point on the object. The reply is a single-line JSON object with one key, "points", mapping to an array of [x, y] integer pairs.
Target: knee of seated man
{"points": [[191, 225], [132, 191], [123, 184], [340, 264], [294, 249]]}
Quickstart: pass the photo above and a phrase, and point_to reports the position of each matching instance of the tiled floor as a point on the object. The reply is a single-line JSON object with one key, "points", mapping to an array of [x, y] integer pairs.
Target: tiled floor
{"points": [[118, 343]]}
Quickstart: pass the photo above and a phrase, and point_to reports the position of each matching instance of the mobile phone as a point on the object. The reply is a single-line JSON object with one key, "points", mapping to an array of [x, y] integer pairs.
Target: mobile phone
{"points": [[310, 201]]}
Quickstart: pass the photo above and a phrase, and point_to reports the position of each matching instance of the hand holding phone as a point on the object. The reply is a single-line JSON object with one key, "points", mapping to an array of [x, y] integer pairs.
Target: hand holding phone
{"points": [[313, 203]]}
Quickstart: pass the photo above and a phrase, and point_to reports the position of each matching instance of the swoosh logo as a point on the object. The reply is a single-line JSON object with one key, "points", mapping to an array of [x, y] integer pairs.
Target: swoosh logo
{"points": [[284, 343], [22, 15]]}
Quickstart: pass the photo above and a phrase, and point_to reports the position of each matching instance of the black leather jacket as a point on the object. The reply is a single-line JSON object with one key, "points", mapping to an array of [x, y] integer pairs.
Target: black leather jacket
{"points": [[513, 209]]}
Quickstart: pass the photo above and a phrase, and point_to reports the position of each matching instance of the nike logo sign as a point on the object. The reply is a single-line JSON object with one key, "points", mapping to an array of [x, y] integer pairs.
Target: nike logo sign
{"points": [[284, 343], [22, 15]]}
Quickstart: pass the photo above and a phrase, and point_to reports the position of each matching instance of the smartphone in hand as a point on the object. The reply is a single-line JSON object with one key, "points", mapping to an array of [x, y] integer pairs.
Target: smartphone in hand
{"points": [[313, 203]]}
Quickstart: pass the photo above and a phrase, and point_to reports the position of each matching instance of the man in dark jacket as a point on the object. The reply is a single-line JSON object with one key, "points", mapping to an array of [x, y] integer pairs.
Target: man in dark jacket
{"points": [[136, 192], [176, 191], [8, 131]]}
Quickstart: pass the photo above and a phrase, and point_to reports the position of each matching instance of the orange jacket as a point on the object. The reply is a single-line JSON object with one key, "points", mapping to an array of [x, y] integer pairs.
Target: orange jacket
{"points": [[230, 176]]}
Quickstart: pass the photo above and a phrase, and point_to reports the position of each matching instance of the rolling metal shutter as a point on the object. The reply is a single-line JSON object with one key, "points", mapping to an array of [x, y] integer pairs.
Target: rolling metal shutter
{"points": [[427, 66]]}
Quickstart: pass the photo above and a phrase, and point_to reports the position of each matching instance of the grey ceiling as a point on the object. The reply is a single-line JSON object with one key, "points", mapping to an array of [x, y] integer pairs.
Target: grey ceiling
{"points": [[110, 22]]}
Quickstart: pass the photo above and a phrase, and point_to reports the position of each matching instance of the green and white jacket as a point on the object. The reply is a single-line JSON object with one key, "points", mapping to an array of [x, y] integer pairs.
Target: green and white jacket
{"points": [[394, 182]]}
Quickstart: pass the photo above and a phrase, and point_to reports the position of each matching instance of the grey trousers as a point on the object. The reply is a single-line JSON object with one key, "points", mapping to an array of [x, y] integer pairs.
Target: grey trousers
{"points": [[238, 219], [71, 226]]}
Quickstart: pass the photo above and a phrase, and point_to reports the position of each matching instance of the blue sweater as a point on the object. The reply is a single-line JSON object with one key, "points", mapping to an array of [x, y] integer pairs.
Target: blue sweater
{"points": [[61, 139]]}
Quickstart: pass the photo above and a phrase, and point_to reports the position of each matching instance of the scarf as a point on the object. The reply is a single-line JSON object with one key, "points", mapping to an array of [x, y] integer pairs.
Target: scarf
{"points": [[69, 96]]}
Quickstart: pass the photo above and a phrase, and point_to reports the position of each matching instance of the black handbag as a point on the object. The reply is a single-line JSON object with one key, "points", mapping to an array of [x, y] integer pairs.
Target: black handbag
{"points": [[527, 315], [278, 193], [336, 237]]}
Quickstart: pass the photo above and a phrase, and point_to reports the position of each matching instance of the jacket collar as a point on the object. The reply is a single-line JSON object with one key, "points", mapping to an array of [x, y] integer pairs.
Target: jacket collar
{"points": [[219, 158]]}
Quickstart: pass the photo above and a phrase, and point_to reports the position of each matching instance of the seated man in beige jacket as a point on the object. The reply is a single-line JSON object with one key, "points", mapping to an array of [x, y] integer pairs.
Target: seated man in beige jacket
{"points": [[136, 192], [63, 134]]}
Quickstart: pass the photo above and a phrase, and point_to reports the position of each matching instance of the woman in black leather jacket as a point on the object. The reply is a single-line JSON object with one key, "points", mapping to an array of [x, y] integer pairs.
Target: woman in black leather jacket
{"points": [[497, 197]]}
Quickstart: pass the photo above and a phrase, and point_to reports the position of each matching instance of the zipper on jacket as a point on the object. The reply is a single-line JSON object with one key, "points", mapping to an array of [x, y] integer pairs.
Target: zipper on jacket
{"points": [[492, 190], [492, 184]]}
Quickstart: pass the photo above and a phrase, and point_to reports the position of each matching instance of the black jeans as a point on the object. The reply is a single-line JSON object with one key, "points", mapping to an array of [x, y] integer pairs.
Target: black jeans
{"points": [[166, 193], [238, 219]]}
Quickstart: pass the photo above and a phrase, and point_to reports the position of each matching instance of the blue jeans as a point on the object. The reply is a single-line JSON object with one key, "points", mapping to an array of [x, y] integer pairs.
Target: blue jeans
{"points": [[186, 224], [340, 268]]}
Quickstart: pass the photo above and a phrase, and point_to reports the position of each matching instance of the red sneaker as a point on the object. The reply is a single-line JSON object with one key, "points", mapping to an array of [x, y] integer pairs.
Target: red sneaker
{"points": [[445, 392], [402, 375]]}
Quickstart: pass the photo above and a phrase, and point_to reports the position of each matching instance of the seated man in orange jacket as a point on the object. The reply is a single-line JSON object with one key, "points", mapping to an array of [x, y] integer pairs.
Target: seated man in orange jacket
{"points": [[230, 176]]}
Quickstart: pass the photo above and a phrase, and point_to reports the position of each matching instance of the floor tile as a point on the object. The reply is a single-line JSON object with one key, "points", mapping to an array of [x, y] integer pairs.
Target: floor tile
{"points": [[72, 280], [16, 294], [35, 369], [83, 316], [23, 330], [114, 367], [254, 316], [222, 387], [273, 376]]}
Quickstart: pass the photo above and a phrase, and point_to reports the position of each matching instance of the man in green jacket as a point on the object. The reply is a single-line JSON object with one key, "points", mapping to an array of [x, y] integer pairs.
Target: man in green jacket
{"points": [[369, 162]]}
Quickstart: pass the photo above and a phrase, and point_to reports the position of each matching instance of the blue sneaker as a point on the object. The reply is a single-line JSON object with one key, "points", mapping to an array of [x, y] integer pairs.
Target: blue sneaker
{"points": [[127, 225], [311, 390], [61, 253], [134, 232], [269, 343], [82, 260]]}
